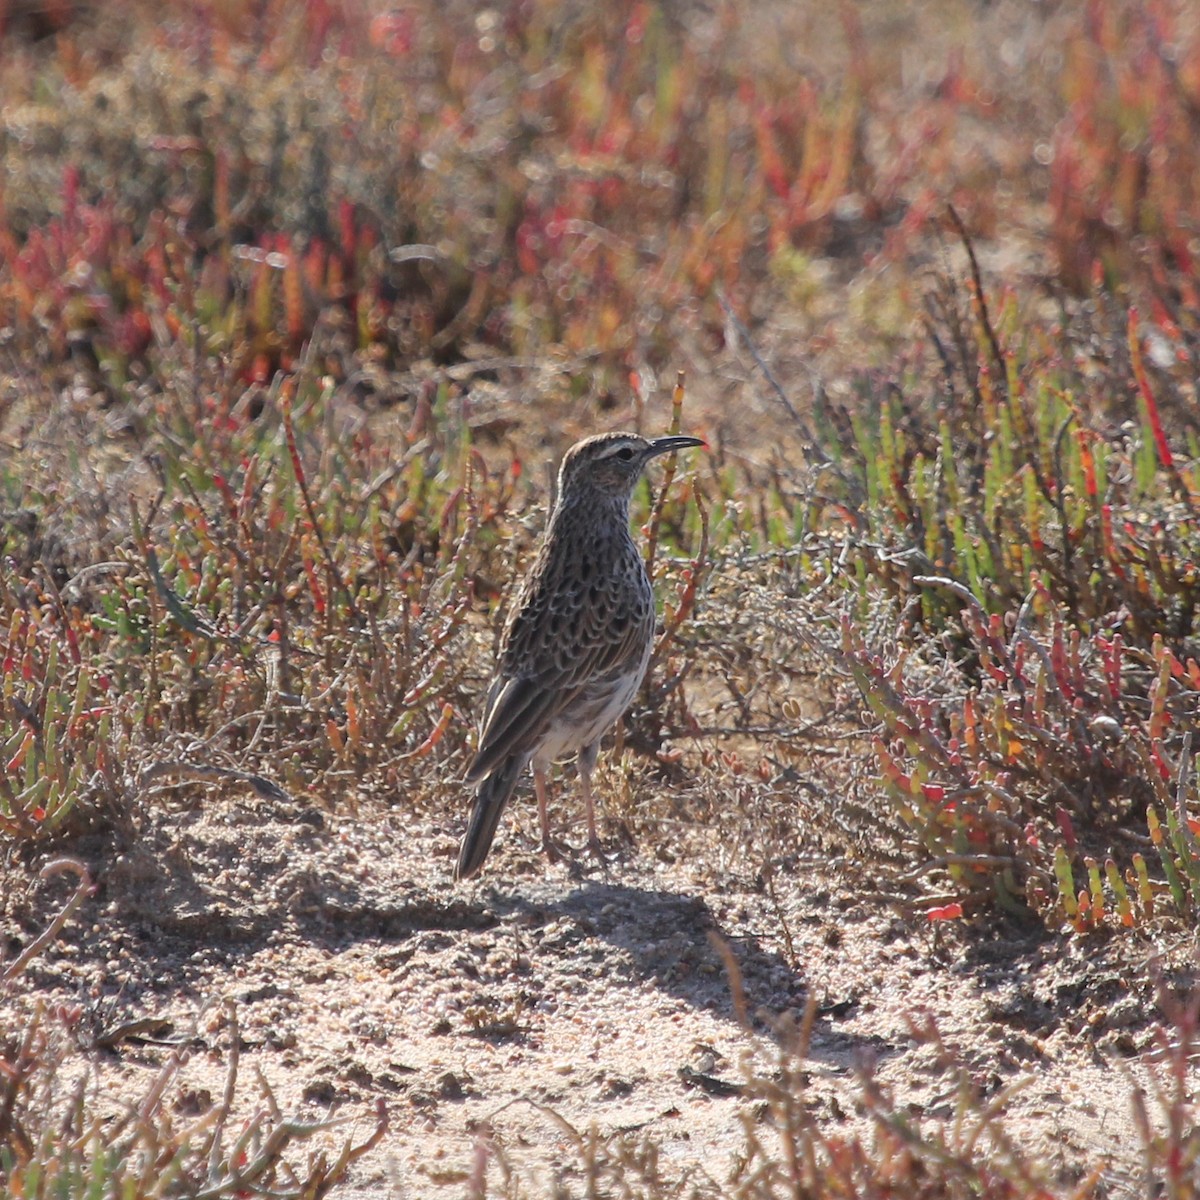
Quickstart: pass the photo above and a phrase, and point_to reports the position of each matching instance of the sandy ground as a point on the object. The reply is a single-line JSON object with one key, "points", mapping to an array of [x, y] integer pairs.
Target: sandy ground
{"points": [[516, 1013]]}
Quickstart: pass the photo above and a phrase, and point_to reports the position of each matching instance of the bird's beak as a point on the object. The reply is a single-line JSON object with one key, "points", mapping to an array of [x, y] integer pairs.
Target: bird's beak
{"points": [[668, 445]]}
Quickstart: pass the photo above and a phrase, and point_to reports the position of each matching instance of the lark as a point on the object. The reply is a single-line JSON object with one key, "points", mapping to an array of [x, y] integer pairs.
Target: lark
{"points": [[576, 643]]}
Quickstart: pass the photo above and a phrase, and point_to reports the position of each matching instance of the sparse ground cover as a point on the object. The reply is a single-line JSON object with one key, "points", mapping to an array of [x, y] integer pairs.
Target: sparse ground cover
{"points": [[298, 303]]}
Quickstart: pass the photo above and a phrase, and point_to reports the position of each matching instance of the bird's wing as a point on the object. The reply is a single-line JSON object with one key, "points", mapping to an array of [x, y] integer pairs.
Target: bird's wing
{"points": [[523, 703]]}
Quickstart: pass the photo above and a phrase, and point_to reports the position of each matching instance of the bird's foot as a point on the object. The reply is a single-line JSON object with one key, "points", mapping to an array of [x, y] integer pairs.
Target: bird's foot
{"points": [[596, 849], [555, 853], [593, 851], [598, 853]]}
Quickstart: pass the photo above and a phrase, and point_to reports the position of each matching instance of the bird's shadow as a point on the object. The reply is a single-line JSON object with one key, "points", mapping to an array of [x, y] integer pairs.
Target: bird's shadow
{"points": [[676, 944], [665, 940]]}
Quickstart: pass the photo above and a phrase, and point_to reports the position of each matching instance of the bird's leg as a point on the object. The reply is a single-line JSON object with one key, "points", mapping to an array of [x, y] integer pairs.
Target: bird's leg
{"points": [[587, 763], [551, 851]]}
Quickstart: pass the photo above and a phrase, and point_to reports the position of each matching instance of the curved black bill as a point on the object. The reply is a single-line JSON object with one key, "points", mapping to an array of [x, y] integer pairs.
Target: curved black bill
{"points": [[665, 445]]}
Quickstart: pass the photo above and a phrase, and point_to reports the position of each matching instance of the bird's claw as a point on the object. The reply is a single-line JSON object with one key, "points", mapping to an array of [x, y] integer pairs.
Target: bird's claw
{"points": [[555, 853], [596, 850]]}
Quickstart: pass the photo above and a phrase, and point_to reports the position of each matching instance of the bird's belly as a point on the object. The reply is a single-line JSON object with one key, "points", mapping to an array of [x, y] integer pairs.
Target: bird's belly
{"points": [[590, 715]]}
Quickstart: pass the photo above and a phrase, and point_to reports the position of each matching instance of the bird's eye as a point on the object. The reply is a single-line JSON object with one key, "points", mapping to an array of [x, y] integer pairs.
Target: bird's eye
{"points": [[625, 454]]}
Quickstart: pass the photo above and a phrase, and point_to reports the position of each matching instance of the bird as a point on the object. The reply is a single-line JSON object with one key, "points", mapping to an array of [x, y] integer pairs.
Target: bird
{"points": [[576, 643]]}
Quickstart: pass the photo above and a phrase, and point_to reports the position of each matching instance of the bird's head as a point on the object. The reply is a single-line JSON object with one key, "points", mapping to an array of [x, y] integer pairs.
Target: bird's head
{"points": [[610, 463]]}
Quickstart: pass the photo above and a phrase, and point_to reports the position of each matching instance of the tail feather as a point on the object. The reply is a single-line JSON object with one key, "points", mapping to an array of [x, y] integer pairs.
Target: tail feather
{"points": [[490, 802]]}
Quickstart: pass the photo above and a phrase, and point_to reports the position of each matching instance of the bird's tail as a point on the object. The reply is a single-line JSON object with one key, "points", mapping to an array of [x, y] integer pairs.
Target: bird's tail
{"points": [[490, 801]]}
